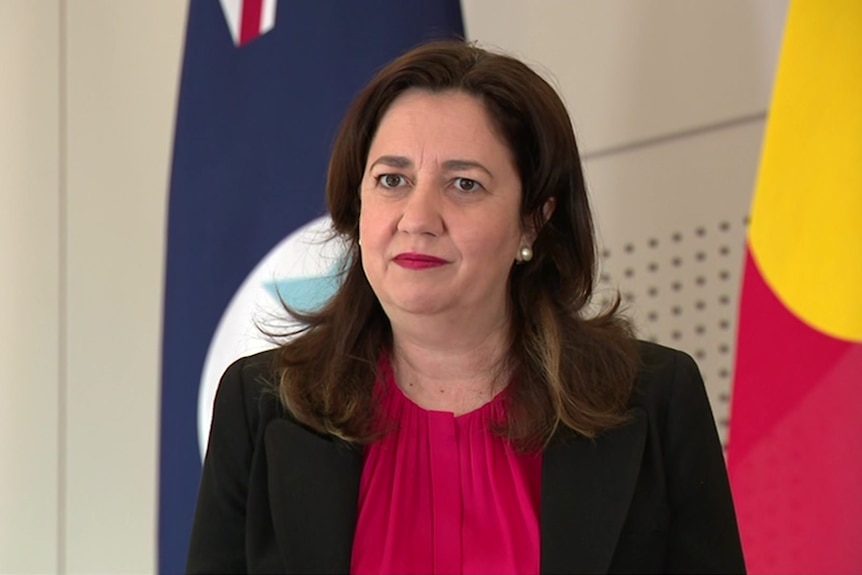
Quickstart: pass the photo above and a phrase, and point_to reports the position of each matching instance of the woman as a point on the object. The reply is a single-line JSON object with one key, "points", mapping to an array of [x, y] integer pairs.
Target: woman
{"points": [[453, 409]]}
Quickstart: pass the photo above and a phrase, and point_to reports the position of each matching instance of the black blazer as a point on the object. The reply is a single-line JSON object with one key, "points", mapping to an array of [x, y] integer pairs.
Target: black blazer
{"points": [[649, 497]]}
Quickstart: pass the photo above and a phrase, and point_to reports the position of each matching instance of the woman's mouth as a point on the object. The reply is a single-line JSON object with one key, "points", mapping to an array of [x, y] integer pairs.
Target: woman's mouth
{"points": [[416, 261]]}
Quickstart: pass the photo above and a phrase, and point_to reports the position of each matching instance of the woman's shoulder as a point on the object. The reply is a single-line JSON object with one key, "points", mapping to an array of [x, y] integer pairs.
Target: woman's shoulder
{"points": [[666, 375], [659, 359], [253, 371], [249, 389]]}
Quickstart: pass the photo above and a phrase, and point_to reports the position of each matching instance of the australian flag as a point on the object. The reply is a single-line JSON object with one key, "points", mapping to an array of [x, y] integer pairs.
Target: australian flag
{"points": [[264, 86]]}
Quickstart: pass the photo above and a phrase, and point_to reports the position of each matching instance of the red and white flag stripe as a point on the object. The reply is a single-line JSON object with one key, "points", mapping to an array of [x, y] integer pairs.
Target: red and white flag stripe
{"points": [[248, 19]]}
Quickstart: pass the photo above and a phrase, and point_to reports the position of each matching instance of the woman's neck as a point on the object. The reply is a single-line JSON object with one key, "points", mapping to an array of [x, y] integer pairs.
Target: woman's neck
{"points": [[457, 371]]}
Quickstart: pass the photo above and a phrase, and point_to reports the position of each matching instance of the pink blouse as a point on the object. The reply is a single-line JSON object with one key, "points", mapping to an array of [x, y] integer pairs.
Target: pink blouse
{"points": [[443, 494]]}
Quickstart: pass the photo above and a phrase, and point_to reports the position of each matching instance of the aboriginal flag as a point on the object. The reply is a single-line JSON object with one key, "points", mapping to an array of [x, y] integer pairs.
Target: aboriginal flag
{"points": [[795, 451], [264, 86]]}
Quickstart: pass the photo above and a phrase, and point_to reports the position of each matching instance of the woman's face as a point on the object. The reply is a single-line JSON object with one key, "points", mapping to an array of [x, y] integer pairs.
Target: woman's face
{"points": [[440, 198]]}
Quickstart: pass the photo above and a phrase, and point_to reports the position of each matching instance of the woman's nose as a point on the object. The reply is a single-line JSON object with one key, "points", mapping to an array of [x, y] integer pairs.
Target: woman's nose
{"points": [[422, 211]]}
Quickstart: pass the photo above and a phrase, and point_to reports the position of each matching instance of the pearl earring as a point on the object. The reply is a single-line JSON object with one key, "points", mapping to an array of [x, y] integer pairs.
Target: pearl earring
{"points": [[526, 253]]}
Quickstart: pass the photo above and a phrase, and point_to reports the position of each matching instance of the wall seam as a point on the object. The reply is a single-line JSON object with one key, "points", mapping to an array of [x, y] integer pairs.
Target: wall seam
{"points": [[675, 136]]}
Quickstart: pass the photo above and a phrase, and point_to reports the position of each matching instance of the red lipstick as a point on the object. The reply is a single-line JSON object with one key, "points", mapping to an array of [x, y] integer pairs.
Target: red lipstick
{"points": [[414, 261]]}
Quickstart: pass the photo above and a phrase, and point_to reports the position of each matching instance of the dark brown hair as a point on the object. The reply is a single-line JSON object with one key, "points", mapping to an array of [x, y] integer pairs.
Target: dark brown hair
{"points": [[569, 369]]}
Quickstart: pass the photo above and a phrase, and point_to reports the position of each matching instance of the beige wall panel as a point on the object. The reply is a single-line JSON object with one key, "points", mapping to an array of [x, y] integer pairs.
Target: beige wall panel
{"points": [[686, 181], [123, 66], [631, 69], [672, 223], [29, 288]]}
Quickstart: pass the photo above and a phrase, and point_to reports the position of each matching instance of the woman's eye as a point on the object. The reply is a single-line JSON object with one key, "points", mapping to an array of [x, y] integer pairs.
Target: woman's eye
{"points": [[391, 180], [466, 184]]}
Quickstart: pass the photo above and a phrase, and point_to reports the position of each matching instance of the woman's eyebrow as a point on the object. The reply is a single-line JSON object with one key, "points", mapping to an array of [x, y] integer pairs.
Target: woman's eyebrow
{"points": [[393, 162], [459, 165], [402, 162]]}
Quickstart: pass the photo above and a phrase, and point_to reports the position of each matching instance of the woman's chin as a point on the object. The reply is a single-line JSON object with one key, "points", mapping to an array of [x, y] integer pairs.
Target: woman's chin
{"points": [[419, 310], [415, 307]]}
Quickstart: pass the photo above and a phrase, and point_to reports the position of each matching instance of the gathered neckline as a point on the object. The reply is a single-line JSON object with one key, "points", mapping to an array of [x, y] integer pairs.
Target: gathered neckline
{"points": [[495, 405]]}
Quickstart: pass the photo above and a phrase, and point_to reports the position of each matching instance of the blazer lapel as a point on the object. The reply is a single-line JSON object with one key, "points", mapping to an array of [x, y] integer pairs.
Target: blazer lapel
{"points": [[587, 486], [313, 489]]}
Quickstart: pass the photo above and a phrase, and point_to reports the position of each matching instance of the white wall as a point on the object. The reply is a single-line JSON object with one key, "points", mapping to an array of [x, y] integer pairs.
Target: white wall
{"points": [[30, 288], [123, 62], [668, 98]]}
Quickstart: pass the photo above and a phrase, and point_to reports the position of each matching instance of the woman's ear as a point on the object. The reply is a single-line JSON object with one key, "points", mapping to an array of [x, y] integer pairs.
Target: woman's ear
{"points": [[547, 211]]}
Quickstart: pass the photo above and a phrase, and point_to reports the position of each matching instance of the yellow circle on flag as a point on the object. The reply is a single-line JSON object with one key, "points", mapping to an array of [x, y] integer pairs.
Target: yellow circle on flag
{"points": [[806, 221]]}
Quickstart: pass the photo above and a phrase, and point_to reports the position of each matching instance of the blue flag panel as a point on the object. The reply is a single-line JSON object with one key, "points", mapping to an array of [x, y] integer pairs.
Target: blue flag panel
{"points": [[262, 92]]}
